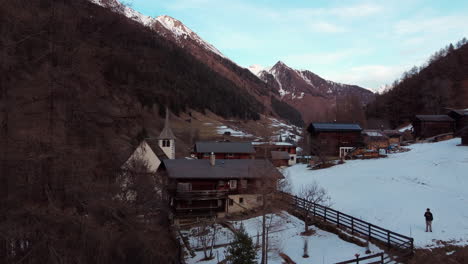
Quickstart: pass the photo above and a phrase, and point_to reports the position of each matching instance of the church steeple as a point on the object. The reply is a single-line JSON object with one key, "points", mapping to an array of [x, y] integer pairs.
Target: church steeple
{"points": [[167, 139]]}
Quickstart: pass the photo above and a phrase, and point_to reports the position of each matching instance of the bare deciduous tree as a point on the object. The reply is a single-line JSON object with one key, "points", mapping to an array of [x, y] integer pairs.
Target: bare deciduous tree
{"points": [[312, 194]]}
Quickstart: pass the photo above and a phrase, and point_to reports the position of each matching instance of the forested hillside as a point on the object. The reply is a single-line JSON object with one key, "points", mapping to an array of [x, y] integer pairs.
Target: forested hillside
{"points": [[79, 84], [441, 84]]}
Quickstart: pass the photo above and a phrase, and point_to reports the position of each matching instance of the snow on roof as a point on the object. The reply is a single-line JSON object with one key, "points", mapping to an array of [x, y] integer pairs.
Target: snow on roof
{"points": [[405, 128], [373, 133]]}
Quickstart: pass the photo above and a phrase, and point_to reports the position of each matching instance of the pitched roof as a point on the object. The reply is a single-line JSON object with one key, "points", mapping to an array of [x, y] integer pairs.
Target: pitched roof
{"points": [[392, 133], [153, 143], [166, 133], [434, 118], [460, 112], [224, 147], [279, 155], [223, 169], [334, 127]]}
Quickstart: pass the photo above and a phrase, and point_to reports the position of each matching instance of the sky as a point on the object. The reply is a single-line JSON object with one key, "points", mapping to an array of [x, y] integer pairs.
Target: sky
{"points": [[367, 43]]}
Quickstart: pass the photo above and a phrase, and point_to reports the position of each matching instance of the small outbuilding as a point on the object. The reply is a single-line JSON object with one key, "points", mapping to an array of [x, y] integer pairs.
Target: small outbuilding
{"points": [[394, 136], [460, 116], [426, 126], [375, 139], [280, 158]]}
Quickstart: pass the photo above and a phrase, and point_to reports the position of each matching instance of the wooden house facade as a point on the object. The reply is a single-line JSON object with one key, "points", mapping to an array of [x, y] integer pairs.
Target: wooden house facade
{"points": [[461, 118], [224, 150], [214, 187], [426, 126], [334, 139], [280, 158]]}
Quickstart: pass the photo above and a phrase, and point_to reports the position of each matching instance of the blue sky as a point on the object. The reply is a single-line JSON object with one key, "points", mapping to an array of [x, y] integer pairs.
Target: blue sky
{"points": [[368, 43]]}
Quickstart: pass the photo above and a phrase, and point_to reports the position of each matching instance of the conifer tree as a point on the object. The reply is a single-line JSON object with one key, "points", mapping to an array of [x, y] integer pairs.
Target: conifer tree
{"points": [[242, 249]]}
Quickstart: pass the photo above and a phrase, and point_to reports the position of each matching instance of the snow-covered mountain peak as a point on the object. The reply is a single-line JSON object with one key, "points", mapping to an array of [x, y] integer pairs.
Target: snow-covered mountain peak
{"points": [[256, 69], [175, 26], [181, 32]]}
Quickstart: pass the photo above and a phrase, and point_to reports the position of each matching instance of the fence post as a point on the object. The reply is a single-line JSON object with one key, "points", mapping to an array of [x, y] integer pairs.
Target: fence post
{"points": [[314, 210], [388, 239], [352, 225], [381, 258], [338, 219], [370, 232], [325, 215]]}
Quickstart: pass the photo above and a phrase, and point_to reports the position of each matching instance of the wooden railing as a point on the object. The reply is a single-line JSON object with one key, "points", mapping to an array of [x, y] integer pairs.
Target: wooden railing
{"points": [[201, 195], [372, 259], [370, 231]]}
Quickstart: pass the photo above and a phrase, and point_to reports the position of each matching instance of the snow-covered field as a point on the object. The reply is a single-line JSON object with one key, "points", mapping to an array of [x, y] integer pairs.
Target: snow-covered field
{"points": [[394, 192], [284, 236]]}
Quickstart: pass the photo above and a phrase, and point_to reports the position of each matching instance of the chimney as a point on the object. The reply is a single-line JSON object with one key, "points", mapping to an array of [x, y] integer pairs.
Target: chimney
{"points": [[212, 159]]}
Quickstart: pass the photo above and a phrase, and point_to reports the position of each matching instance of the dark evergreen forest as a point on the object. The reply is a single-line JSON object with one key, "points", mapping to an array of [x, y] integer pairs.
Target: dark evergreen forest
{"points": [[439, 84]]}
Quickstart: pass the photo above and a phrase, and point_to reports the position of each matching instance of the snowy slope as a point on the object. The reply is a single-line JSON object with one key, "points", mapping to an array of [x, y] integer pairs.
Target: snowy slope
{"points": [[394, 192], [324, 247]]}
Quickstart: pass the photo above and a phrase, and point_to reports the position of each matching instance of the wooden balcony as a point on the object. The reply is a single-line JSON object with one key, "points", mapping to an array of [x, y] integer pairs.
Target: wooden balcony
{"points": [[201, 195]]}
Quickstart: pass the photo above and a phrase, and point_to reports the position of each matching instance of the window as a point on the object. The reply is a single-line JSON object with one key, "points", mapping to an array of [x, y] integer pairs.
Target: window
{"points": [[243, 184], [241, 200], [292, 158], [233, 184], [166, 143], [231, 202], [230, 155]]}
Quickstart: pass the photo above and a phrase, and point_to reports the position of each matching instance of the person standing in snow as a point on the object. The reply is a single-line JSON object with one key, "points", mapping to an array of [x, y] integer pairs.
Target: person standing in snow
{"points": [[429, 218]]}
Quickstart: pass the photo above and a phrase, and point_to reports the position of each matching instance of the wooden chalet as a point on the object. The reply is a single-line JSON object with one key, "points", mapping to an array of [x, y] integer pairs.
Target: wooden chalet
{"points": [[224, 150], [216, 187], [334, 139], [265, 149], [375, 139], [426, 126], [460, 116]]}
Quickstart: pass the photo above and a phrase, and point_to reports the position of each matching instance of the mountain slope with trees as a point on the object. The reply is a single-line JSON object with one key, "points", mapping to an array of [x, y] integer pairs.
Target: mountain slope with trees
{"points": [[442, 83]]}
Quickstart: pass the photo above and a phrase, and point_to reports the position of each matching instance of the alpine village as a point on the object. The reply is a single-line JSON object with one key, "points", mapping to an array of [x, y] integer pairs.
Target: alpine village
{"points": [[128, 138]]}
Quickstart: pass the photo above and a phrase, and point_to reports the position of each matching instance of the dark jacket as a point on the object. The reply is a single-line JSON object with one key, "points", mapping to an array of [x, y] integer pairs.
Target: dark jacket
{"points": [[428, 216]]}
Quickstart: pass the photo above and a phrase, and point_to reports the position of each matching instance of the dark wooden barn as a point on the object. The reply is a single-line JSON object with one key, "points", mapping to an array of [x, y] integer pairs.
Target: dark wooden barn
{"points": [[426, 126], [460, 116], [334, 139]]}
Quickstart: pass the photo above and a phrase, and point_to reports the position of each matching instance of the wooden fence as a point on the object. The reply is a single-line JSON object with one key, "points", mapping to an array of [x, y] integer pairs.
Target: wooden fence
{"points": [[372, 259], [370, 231]]}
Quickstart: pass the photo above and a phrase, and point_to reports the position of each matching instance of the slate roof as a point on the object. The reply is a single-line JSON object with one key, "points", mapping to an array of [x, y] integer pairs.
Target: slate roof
{"points": [[166, 133], [460, 112], [279, 155], [224, 147], [434, 118], [223, 169], [334, 127], [153, 143]]}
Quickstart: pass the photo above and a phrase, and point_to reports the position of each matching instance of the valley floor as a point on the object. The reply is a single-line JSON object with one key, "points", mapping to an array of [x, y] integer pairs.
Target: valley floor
{"points": [[394, 192]]}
